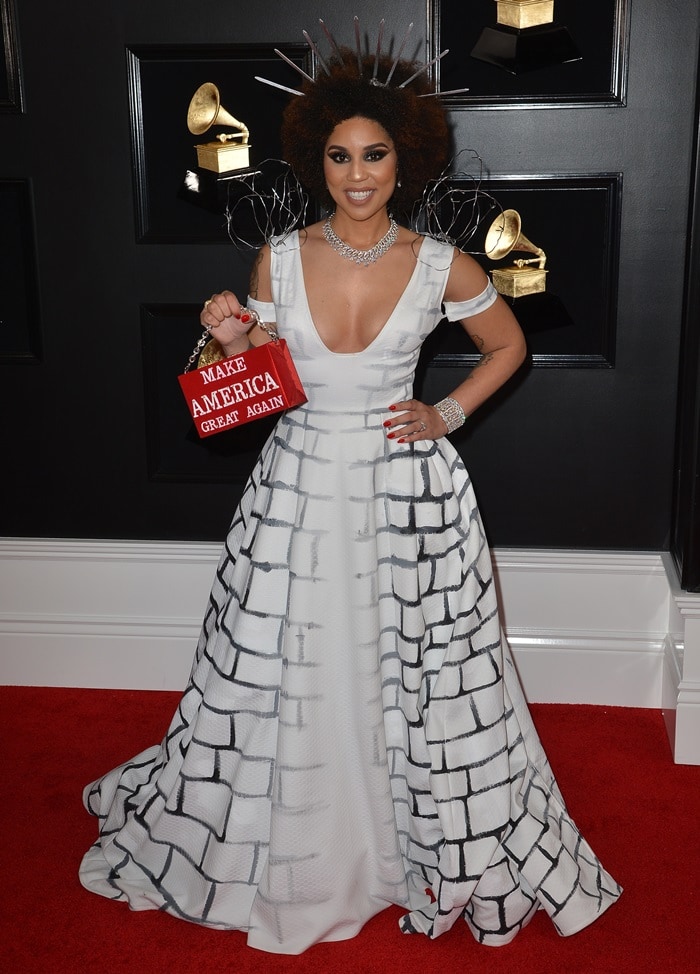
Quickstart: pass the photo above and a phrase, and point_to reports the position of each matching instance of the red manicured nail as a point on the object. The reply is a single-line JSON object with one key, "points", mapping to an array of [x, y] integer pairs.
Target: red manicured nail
{"points": [[392, 408], [401, 440], [388, 422], [245, 319], [390, 436]]}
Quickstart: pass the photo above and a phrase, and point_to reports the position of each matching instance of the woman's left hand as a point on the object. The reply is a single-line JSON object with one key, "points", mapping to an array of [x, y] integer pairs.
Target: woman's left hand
{"points": [[414, 420]]}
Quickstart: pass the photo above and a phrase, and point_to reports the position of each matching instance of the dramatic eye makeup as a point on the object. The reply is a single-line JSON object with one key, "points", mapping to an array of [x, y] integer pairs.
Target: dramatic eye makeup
{"points": [[376, 155], [372, 153]]}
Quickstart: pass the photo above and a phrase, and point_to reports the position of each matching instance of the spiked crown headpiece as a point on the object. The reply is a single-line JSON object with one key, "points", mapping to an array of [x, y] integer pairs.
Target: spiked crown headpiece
{"points": [[374, 79]]}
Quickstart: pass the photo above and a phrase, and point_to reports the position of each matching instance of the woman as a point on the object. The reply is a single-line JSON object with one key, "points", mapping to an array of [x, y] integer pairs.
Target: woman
{"points": [[353, 734]]}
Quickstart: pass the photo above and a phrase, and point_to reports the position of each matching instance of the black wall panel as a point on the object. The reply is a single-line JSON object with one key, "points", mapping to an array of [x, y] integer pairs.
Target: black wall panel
{"points": [[568, 456]]}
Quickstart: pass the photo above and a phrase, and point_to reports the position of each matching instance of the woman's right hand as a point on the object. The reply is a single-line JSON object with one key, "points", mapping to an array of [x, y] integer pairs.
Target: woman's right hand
{"points": [[221, 316]]}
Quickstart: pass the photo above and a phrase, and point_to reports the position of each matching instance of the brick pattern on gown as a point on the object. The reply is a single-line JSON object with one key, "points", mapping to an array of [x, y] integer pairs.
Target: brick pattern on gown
{"points": [[353, 733]]}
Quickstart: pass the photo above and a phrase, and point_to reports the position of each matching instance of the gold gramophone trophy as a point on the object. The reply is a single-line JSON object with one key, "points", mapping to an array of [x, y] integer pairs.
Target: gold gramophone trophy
{"points": [[225, 153], [504, 235]]}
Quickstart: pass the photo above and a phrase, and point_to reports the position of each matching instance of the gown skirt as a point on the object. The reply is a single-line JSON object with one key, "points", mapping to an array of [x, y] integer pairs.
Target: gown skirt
{"points": [[353, 733]]}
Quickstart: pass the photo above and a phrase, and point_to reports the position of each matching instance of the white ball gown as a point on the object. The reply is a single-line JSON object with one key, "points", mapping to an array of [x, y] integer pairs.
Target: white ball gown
{"points": [[353, 733]]}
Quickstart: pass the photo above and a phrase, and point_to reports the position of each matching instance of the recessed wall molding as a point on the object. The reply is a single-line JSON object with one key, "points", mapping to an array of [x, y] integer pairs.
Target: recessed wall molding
{"points": [[597, 79]]}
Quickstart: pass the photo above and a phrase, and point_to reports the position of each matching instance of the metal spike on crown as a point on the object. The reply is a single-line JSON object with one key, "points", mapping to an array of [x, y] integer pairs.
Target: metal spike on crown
{"points": [[374, 80]]}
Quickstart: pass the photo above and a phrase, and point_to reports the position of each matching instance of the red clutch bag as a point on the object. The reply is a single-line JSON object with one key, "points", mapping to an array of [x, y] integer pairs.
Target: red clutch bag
{"points": [[235, 390]]}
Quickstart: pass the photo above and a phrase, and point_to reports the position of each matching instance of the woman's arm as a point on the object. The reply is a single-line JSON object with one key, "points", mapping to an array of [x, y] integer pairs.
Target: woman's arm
{"points": [[221, 314], [495, 332], [498, 337]]}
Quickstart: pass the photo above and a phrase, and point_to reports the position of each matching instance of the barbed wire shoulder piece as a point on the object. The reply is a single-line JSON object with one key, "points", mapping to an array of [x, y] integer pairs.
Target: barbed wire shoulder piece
{"points": [[267, 203], [454, 208]]}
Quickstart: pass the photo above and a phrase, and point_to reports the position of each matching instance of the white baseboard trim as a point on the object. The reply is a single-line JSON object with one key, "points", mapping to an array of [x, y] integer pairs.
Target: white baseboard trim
{"points": [[609, 628], [605, 668], [585, 627], [135, 654], [681, 672]]}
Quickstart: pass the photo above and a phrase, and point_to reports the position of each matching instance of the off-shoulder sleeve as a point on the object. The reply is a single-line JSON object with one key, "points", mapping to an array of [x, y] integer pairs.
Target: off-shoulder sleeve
{"points": [[456, 310], [265, 309]]}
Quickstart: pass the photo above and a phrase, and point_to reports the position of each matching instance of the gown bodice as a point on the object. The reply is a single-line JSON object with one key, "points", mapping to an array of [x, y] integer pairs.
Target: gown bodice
{"points": [[383, 372]]}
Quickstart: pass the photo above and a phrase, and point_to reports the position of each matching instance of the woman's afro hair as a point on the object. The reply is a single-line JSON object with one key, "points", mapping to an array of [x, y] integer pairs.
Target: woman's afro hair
{"points": [[417, 126]]}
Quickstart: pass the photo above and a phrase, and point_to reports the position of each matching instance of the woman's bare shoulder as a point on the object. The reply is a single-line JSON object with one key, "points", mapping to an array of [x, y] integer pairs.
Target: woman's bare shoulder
{"points": [[466, 278], [313, 231]]}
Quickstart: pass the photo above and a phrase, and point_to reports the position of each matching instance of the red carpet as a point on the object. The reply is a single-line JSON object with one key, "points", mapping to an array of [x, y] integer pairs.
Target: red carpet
{"points": [[638, 810]]}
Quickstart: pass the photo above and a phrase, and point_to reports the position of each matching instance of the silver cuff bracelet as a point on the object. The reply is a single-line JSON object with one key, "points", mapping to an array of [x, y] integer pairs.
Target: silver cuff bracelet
{"points": [[452, 413]]}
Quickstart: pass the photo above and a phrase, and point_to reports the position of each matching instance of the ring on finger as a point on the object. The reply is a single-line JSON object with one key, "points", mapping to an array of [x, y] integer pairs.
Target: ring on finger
{"points": [[207, 302], [422, 428]]}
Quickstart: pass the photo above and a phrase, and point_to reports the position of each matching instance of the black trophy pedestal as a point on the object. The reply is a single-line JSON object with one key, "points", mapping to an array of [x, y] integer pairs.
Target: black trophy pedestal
{"points": [[528, 49], [215, 191]]}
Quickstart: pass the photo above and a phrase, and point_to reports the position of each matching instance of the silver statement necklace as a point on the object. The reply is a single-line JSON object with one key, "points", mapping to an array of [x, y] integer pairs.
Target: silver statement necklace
{"points": [[363, 257]]}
